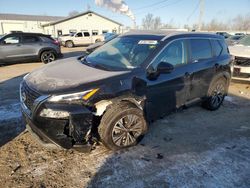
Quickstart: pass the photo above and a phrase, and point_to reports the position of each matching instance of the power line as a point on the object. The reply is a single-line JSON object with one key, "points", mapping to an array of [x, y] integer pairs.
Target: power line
{"points": [[154, 4], [170, 4], [195, 9], [202, 8]]}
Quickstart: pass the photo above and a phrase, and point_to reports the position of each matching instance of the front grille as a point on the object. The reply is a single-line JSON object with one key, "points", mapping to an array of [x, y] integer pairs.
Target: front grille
{"points": [[241, 61], [28, 96]]}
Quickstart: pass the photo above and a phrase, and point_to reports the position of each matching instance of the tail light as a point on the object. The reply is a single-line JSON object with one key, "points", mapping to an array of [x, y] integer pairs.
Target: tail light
{"points": [[56, 42]]}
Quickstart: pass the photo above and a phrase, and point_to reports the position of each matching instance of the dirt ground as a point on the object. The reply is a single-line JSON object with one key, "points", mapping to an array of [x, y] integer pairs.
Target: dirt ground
{"points": [[191, 148]]}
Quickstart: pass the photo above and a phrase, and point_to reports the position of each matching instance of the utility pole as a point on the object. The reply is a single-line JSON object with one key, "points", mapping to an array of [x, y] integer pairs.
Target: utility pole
{"points": [[202, 9]]}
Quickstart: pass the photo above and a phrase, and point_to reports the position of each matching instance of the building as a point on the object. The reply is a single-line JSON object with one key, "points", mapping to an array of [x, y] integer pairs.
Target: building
{"points": [[86, 21], [25, 23], [56, 26]]}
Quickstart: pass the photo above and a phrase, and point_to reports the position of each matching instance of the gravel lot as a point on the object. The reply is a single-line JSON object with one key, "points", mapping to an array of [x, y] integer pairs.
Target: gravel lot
{"points": [[191, 148]]}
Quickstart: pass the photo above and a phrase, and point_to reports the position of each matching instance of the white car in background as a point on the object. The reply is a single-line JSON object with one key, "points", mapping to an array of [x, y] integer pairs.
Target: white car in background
{"points": [[241, 51], [79, 39]]}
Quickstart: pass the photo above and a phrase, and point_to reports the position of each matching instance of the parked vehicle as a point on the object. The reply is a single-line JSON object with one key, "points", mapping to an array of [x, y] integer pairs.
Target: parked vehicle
{"points": [[80, 38], [16, 47], [113, 92], [234, 39], [93, 47], [241, 34], [241, 51], [224, 34]]}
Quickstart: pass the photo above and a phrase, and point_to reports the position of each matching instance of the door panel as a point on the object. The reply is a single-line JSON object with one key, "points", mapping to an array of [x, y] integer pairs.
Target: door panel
{"points": [[202, 64], [10, 49], [167, 92], [30, 46], [170, 90]]}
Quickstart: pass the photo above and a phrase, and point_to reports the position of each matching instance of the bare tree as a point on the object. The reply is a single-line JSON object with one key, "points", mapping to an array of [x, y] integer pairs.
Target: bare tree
{"points": [[157, 23], [148, 22], [241, 23], [73, 13]]}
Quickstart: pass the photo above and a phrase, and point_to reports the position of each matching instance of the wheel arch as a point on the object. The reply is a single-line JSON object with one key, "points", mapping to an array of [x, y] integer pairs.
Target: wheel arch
{"points": [[103, 105], [225, 75], [46, 49]]}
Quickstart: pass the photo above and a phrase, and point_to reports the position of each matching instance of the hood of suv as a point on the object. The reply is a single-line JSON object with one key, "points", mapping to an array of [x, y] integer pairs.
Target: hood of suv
{"points": [[66, 74], [240, 51]]}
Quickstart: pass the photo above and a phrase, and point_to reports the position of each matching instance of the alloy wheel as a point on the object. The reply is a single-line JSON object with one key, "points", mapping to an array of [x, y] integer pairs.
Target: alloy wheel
{"points": [[127, 130], [218, 94], [48, 57]]}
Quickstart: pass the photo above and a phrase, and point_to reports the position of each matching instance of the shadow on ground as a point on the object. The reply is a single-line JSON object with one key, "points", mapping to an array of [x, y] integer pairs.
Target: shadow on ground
{"points": [[73, 54], [11, 123], [192, 148]]}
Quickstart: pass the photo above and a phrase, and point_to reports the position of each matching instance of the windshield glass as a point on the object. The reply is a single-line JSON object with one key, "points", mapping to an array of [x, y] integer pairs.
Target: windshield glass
{"points": [[245, 41], [123, 53]]}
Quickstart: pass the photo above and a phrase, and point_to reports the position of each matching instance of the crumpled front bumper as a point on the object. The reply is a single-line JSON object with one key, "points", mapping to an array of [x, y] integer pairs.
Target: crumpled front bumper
{"points": [[66, 132]]}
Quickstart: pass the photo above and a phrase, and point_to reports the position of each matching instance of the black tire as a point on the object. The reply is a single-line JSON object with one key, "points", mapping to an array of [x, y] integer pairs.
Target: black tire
{"points": [[47, 57], [97, 40], [69, 44], [110, 128], [216, 94]]}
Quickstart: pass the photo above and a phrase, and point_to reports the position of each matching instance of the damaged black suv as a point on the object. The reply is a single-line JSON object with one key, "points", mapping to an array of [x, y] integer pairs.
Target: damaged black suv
{"points": [[114, 92]]}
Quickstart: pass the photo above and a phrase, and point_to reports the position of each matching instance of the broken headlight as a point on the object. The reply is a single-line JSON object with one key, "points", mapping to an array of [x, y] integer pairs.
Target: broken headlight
{"points": [[73, 97]]}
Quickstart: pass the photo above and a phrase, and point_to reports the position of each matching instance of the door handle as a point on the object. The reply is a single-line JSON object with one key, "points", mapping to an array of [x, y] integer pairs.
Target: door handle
{"points": [[18, 45]]}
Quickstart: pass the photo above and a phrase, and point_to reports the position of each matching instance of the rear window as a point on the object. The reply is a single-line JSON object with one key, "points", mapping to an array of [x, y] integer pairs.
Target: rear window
{"points": [[201, 49], [225, 50], [217, 48], [86, 34], [30, 39]]}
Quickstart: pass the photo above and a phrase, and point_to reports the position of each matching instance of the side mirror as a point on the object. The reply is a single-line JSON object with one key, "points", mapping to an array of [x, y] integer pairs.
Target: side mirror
{"points": [[165, 67]]}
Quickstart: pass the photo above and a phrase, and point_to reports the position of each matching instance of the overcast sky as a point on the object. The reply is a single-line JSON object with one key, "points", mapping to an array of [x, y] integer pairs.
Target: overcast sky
{"points": [[177, 10]]}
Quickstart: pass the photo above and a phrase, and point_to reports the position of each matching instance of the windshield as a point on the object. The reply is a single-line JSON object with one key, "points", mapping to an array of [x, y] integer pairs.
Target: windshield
{"points": [[123, 53], [245, 41]]}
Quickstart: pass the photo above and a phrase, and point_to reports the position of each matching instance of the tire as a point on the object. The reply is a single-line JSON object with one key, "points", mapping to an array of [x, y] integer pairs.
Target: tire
{"points": [[47, 57], [69, 44], [113, 131], [216, 94], [97, 40]]}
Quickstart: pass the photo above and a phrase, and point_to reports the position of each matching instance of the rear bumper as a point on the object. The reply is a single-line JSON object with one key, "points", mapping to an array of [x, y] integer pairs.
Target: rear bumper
{"points": [[241, 73]]}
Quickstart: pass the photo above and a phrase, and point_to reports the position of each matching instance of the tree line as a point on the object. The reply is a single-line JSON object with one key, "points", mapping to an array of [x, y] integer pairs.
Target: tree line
{"points": [[239, 23]]}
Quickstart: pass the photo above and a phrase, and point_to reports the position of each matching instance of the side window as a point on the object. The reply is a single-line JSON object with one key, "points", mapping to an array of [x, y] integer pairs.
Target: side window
{"points": [[86, 34], [174, 53], [225, 50], [217, 48], [95, 32], [11, 40], [201, 49], [79, 35], [30, 39]]}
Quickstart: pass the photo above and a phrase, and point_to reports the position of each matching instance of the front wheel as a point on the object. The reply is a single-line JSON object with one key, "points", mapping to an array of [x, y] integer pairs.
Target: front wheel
{"points": [[47, 57], [122, 126], [216, 94]]}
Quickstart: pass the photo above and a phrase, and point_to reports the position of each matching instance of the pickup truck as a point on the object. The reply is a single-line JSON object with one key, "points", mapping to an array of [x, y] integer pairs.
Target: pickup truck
{"points": [[79, 38]]}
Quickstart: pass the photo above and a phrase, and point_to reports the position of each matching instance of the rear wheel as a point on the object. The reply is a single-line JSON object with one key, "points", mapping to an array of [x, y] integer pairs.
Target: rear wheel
{"points": [[97, 40], [69, 44], [122, 126], [216, 94], [48, 56]]}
